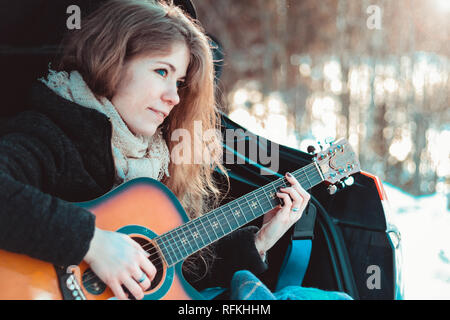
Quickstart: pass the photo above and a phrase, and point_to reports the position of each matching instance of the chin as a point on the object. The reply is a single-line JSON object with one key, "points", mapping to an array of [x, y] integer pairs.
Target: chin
{"points": [[146, 132]]}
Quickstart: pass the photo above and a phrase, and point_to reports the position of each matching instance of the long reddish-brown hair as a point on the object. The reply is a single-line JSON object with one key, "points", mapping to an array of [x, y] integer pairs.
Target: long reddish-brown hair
{"points": [[122, 29]]}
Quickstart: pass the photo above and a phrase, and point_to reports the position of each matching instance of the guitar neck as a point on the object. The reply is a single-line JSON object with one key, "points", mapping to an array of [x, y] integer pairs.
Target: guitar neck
{"points": [[179, 243]]}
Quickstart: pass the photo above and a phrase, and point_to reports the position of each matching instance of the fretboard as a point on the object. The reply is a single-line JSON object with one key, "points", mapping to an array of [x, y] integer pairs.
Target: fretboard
{"points": [[181, 242]]}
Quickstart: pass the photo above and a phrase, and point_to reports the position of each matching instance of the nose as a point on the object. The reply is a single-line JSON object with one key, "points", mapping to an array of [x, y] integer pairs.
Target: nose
{"points": [[171, 97]]}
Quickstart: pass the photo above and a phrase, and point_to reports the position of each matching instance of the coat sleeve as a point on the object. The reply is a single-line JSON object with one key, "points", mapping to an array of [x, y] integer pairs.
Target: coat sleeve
{"points": [[237, 251], [32, 221]]}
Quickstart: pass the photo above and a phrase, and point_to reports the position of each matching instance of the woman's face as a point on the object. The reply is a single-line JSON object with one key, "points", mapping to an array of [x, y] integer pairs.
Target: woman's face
{"points": [[148, 89]]}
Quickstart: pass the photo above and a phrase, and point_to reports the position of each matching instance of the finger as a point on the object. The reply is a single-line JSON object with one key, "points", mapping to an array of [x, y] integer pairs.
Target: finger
{"points": [[134, 288], [138, 276], [286, 200], [297, 200], [295, 184], [117, 290], [294, 194], [296, 211], [148, 267], [135, 244], [292, 180]]}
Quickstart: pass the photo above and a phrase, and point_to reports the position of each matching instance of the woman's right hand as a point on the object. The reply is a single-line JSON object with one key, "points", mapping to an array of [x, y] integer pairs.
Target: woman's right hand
{"points": [[119, 260]]}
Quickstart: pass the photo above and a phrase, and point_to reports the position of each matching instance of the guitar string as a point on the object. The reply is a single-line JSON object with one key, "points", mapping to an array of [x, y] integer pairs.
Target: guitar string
{"points": [[236, 202], [223, 216], [87, 282], [258, 192]]}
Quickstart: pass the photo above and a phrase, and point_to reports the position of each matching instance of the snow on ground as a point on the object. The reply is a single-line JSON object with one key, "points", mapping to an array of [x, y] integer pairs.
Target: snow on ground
{"points": [[424, 224]]}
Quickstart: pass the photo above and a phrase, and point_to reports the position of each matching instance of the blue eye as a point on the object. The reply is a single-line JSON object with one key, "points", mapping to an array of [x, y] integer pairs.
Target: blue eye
{"points": [[180, 84], [162, 72]]}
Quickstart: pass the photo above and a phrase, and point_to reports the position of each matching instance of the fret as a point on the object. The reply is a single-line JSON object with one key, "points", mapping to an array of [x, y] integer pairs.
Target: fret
{"points": [[217, 216], [274, 194], [226, 219], [318, 174], [213, 228], [309, 177], [242, 211], [196, 235], [273, 199], [280, 183], [262, 209], [237, 213], [309, 181], [174, 250], [304, 181], [257, 202], [183, 251], [275, 190], [269, 199], [233, 212], [216, 223], [319, 171], [164, 247], [164, 250], [204, 228], [251, 206], [185, 239]]}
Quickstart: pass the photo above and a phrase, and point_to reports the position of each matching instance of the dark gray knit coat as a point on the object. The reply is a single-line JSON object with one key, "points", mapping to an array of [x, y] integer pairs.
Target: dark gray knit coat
{"points": [[57, 153]]}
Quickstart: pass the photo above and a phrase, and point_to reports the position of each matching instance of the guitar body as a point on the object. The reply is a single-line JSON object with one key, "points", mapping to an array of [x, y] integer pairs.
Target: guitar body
{"points": [[149, 212], [142, 208]]}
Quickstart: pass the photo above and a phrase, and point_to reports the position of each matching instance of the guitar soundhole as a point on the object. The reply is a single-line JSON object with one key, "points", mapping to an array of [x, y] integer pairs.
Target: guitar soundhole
{"points": [[95, 286]]}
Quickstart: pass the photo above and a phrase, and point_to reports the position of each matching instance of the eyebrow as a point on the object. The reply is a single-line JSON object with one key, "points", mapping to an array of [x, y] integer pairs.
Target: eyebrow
{"points": [[171, 68]]}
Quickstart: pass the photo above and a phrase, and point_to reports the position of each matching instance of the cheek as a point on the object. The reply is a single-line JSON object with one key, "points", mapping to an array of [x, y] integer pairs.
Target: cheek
{"points": [[130, 96]]}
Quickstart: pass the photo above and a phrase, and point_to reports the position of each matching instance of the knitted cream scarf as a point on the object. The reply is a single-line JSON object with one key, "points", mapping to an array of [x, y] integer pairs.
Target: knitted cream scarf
{"points": [[134, 156]]}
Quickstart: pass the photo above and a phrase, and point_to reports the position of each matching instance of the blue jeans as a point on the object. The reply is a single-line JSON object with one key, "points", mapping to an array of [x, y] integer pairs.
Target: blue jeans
{"points": [[246, 286]]}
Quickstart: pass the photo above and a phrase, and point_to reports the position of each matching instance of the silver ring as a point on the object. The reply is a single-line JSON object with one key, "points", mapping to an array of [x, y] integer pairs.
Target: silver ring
{"points": [[295, 209], [142, 278]]}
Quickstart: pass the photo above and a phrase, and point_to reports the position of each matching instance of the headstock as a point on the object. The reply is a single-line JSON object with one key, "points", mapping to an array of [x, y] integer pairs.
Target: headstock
{"points": [[337, 162]]}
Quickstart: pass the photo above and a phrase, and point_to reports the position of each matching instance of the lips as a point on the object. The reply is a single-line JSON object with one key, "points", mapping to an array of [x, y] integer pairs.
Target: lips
{"points": [[162, 115]]}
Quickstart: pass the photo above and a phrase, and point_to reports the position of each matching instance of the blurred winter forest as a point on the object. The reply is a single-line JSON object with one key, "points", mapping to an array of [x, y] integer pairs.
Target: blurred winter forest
{"points": [[375, 72]]}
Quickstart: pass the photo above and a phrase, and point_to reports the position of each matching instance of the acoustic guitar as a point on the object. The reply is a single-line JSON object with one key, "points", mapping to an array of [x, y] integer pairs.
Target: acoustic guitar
{"points": [[149, 212]]}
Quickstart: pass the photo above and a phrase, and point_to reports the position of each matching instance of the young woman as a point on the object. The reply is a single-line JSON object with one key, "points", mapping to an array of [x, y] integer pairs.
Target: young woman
{"points": [[134, 73]]}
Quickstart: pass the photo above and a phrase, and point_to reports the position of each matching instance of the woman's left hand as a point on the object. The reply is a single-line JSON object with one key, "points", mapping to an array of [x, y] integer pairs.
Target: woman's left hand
{"points": [[277, 221]]}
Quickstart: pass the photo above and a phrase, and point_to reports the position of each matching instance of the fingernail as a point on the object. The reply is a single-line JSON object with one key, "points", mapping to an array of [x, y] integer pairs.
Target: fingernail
{"points": [[289, 175]]}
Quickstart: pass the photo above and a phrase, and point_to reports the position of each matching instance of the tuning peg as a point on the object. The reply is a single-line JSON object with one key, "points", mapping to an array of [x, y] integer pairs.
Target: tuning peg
{"points": [[311, 150], [332, 189], [329, 140], [349, 181], [320, 145]]}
